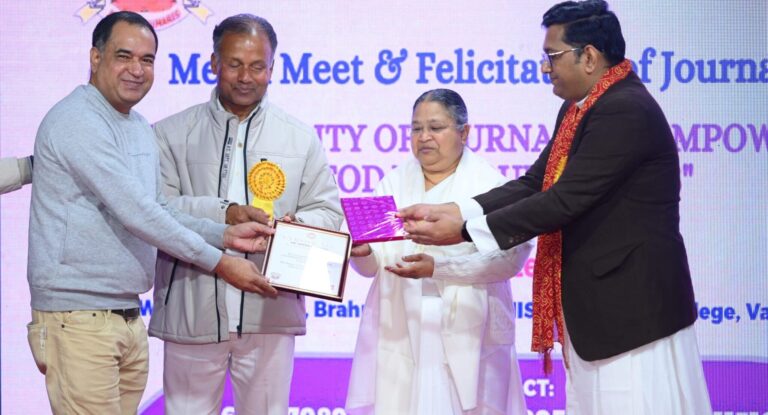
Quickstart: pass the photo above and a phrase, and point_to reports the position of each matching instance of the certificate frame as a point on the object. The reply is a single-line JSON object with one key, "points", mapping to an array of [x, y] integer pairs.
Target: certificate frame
{"points": [[286, 271]]}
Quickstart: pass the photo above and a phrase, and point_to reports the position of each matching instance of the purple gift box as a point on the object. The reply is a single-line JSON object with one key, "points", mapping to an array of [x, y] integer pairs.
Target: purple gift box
{"points": [[372, 219]]}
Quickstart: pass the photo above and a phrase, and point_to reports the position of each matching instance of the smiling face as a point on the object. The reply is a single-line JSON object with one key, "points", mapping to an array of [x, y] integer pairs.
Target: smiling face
{"points": [[435, 140], [243, 67], [569, 80], [124, 70]]}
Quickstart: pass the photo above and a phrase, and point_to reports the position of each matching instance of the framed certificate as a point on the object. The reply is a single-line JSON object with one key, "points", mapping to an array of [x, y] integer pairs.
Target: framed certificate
{"points": [[308, 260]]}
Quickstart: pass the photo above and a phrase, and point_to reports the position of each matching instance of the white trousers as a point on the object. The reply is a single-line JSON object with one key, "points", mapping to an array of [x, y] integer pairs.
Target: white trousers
{"points": [[260, 366], [663, 377]]}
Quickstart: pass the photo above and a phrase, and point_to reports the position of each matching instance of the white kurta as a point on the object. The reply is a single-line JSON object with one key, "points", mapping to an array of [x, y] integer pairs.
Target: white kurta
{"points": [[662, 377], [475, 315]]}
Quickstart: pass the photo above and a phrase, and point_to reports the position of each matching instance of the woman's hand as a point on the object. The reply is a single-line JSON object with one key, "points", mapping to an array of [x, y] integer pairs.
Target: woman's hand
{"points": [[416, 266]]}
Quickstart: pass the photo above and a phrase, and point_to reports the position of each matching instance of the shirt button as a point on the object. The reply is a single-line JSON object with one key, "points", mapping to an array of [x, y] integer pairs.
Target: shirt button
{"points": [[239, 145]]}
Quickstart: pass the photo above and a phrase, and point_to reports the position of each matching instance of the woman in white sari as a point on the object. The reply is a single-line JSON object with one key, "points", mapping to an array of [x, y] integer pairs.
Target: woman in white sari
{"points": [[437, 332]]}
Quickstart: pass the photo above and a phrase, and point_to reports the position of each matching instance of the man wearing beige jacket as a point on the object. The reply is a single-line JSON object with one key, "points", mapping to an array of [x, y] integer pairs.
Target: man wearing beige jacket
{"points": [[210, 327]]}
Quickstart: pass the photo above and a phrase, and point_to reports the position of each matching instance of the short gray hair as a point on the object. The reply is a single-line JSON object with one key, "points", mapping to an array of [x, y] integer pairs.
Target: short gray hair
{"points": [[244, 23]]}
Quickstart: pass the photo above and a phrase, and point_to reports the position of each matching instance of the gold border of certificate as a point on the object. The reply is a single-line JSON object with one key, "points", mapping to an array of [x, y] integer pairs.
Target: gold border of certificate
{"points": [[307, 260]]}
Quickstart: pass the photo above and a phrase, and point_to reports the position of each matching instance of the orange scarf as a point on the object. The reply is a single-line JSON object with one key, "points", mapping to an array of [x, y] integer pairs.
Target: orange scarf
{"points": [[547, 300]]}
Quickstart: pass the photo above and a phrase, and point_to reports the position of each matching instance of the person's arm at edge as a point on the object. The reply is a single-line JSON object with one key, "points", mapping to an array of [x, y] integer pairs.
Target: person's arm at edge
{"points": [[15, 173]]}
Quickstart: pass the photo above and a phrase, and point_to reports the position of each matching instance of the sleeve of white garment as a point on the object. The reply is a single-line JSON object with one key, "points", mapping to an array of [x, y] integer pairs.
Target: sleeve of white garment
{"points": [[482, 267], [477, 226], [14, 173], [367, 266]]}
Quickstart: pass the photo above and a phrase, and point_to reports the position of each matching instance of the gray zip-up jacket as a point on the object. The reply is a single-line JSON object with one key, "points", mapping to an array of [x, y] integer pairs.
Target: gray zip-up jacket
{"points": [[190, 303]]}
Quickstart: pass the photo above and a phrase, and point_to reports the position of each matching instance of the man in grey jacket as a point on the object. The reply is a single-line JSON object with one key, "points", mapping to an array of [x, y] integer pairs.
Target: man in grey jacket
{"points": [[206, 152], [97, 219]]}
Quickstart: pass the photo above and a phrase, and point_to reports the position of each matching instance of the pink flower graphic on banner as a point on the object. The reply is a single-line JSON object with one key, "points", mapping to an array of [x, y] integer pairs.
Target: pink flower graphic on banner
{"points": [[160, 13]]}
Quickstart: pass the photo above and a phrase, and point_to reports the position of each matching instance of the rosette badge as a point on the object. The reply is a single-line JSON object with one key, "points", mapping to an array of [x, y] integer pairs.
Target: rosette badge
{"points": [[267, 183]]}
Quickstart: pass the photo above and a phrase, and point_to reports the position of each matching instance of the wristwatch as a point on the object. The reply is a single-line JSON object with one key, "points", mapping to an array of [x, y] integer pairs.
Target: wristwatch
{"points": [[465, 233]]}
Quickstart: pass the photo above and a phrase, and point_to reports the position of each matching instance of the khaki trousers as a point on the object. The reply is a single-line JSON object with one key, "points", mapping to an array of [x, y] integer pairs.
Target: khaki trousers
{"points": [[94, 362]]}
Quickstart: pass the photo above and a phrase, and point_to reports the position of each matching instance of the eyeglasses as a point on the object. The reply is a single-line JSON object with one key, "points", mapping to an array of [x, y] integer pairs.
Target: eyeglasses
{"points": [[548, 57], [417, 130]]}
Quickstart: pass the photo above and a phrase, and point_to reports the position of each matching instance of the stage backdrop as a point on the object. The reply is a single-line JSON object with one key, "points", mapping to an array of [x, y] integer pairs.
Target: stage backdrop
{"points": [[353, 69]]}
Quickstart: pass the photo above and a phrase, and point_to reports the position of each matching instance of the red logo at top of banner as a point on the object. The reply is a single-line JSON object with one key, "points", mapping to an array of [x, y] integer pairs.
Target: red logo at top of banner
{"points": [[160, 13]]}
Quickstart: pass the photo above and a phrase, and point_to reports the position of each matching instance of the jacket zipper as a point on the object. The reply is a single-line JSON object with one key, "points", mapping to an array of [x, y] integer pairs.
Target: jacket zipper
{"points": [[240, 326], [245, 183], [216, 305], [216, 276], [170, 283]]}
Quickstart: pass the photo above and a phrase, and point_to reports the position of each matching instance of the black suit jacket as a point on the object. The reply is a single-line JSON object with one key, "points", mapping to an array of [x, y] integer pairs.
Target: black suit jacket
{"points": [[625, 274]]}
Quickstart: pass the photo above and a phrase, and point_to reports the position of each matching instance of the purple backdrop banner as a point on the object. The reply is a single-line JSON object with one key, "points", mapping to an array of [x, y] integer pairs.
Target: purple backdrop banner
{"points": [[352, 70]]}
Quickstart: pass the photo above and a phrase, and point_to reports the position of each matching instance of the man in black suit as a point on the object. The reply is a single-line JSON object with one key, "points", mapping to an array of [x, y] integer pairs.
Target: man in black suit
{"points": [[612, 282]]}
